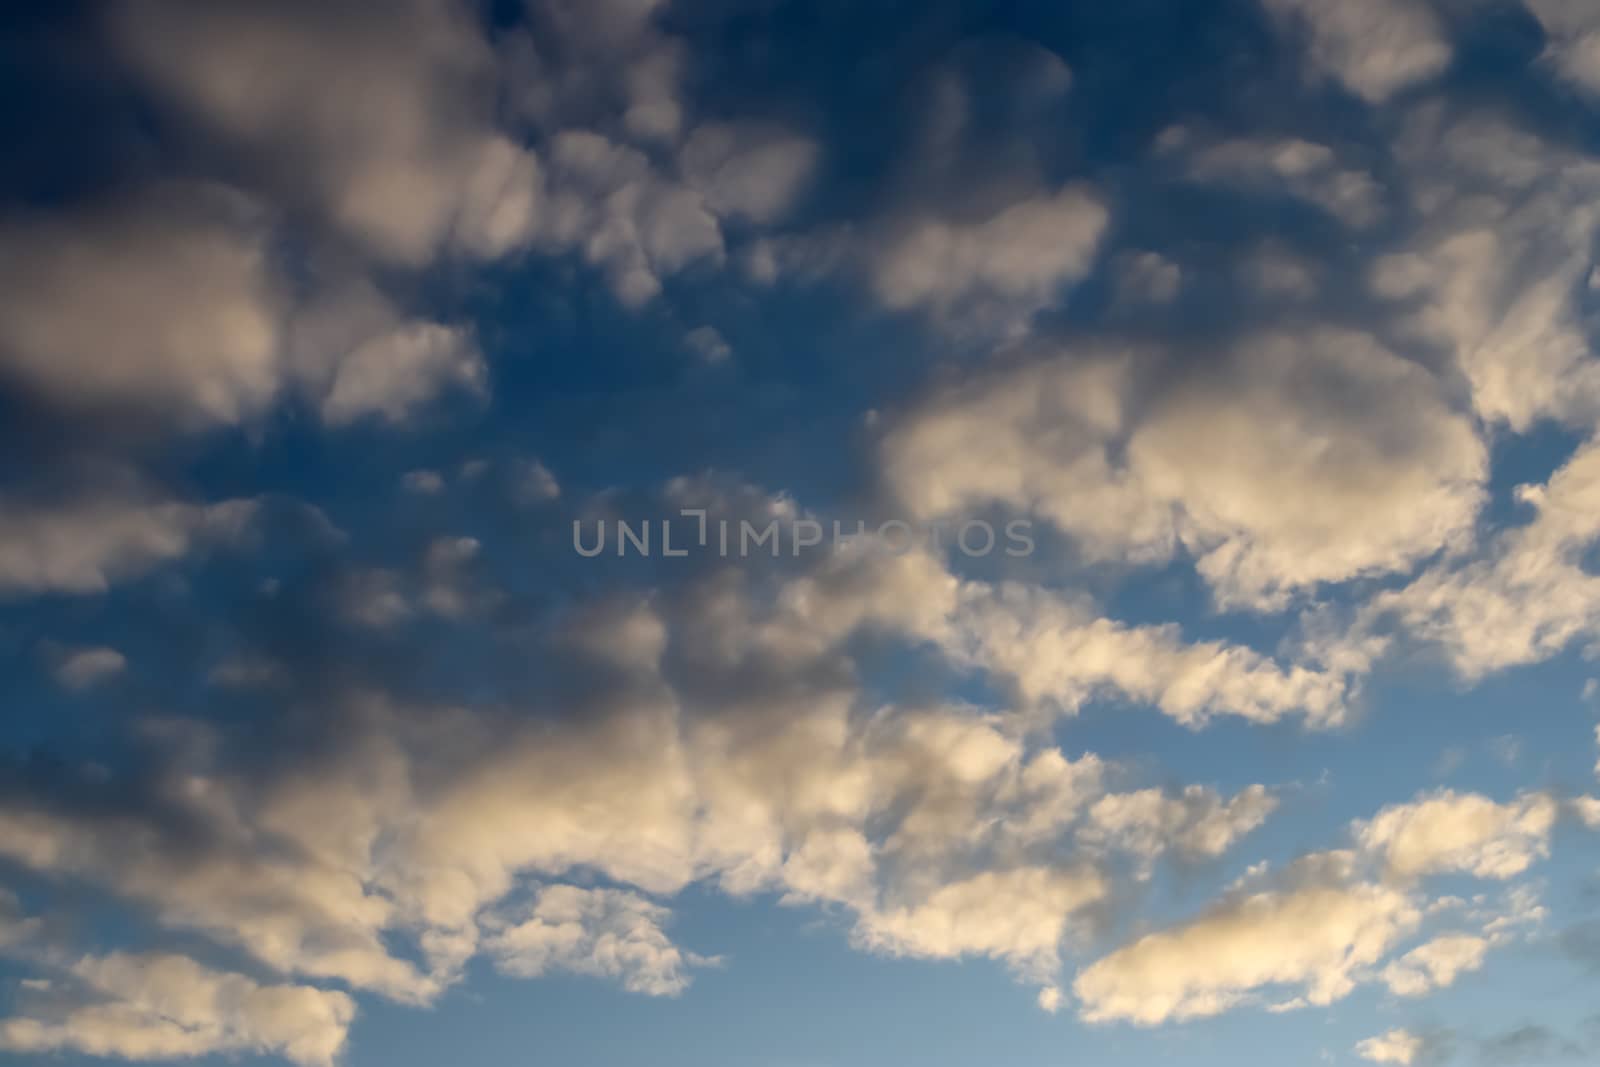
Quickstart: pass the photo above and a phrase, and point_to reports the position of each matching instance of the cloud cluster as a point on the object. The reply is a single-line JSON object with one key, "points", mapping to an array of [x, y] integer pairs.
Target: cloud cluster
{"points": [[1332, 921], [1308, 458]]}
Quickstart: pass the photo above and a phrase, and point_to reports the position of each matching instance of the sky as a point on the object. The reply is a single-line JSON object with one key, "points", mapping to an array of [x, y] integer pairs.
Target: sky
{"points": [[762, 533]]}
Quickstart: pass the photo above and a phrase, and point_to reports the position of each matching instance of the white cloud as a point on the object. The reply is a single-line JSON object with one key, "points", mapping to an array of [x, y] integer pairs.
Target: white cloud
{"points": [[1307, 458], [1313, 939], [85, 544], [392, 374], [1396, 1046], [1495, 271], [1448, 831], [359, 356], [1281, 486], [708, 343], [1302, 169], [167, 301], [1435, 965], [194, 321], [1588, 811], [1195, 821], [747, 170], [1147, 277], [426, 482], [1374, 47], [1020, 916], [607, 933], [1525, 596], [609, 203], [157, 1006], [1572, 39], [1005, 265], [377, 121], [84, 668]]}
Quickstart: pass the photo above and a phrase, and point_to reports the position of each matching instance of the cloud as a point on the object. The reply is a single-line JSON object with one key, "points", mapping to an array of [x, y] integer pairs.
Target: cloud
{"points": [[85, 544], [195, 319], [1195, 821], [359, 356], [1283, 486], [1020, 916], [382, 124], [610, 204], [84, 668], [1324, 925], [1524, 597], [1588, 811], [187, 309], [1291, 166], [607, 933], [1495, 272], [1306, 458], [1396, 1046], [1375, 48], [1435, 965], [1448, 831], [392, 374], [708, 343], [1312, 938], [1058, 653], [1007, 264], [747, 170], [1572, 39], [1147, 277], [148, 1006]]}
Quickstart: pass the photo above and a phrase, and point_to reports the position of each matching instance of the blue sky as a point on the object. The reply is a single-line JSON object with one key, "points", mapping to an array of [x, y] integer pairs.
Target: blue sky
{"points": [[1250, 343]]}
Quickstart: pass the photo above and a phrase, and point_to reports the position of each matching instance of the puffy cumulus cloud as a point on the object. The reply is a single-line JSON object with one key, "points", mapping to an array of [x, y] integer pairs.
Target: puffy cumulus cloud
{"points": [[1333, 920], [1020, 916], [167, 301], [84, 668], [607, 933], [1448, 831], [747, 170], [1435, 965], [385, 129], [1395, 1046], [1288, 166], [1275, 272], [390, 375], [1314, 458], [1051, 652], [621, 214], [356, 354], [1572, 39], [1526, 596], [1147, 278], [307, 917], [195, 319], [1588, 811], [86, 542], [1035, 435], [581, 63], [1306, 458], [1312, 939], [1494, 272], [382, 123], [155, 1006], [726, 744], [1374, 48], [1196, 821], [1002, 266]]}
